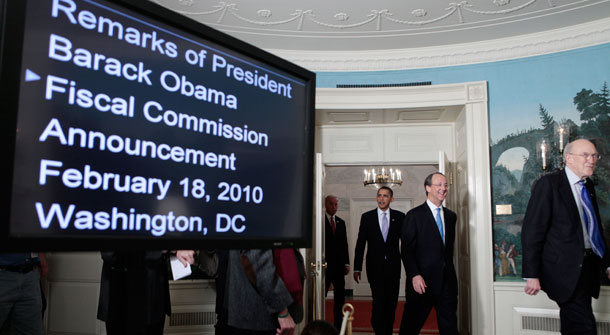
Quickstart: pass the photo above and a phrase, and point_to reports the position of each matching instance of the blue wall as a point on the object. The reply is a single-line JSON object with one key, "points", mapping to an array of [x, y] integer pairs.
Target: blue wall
{"points": [[516, 87]]}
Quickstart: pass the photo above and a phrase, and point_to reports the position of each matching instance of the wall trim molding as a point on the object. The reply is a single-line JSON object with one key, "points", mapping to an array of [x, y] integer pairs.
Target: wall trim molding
{"points": [[552, 41]]}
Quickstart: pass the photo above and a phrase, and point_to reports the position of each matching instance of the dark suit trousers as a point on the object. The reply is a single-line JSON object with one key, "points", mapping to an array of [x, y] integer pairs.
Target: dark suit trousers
{"points": [[418, 307], [576, 314], [338, 281], [385, 290]]}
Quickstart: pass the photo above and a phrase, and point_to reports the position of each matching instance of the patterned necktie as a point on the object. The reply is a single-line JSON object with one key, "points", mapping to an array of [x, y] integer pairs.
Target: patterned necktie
{"points": [[595, 237], [439, 223], [332, 224], [384, 226]]}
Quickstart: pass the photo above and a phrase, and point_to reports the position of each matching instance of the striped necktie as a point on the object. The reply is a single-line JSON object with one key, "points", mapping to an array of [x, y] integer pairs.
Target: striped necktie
{"points": [[595, 237]]}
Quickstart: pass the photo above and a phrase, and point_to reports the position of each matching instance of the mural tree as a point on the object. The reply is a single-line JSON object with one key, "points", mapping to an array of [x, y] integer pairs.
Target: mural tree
{"points": [[594, 109]]}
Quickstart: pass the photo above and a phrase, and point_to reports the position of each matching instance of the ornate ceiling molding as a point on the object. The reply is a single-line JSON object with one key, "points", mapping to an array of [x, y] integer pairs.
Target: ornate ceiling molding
{"points": [[372, 21], [574, 37]]}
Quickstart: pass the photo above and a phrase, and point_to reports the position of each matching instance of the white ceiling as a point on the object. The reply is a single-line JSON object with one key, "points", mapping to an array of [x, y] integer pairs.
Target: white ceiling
{"points": [[358, 25]]}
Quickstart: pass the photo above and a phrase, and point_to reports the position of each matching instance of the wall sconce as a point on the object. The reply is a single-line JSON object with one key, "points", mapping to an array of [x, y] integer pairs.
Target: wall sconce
{"points": [[551, 152]]}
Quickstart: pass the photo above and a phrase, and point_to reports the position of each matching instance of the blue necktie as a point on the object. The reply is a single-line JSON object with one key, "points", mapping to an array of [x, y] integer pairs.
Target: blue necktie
{"points": [[439, 223], [595, 237], [384, 226]]}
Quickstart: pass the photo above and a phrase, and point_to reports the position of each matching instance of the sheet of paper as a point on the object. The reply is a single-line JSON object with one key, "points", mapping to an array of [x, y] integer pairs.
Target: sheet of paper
{"points": [[178, 270]]}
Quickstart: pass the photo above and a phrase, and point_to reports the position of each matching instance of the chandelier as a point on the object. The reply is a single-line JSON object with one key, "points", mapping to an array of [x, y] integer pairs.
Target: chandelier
{"points": [[378, 177]]}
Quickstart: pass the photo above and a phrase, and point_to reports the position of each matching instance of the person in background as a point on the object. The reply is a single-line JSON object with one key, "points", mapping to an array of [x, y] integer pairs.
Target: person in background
{"points": [[255, 300], [20, 295], [563, 246], [220, 328], [379, 232], [134, 291], [337, 257], [428, 236]]}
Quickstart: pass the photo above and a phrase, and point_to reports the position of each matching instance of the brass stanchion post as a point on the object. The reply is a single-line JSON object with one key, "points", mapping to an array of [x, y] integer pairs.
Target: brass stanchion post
{"points": [[348, 318]]}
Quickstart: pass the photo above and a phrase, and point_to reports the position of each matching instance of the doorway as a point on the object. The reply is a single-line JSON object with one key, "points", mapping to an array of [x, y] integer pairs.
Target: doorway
{"points": [[345, 182], [409, 126]]}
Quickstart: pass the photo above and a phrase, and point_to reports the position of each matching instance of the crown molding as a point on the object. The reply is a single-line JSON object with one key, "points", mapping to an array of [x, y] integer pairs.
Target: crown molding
{"points": [[548, 42]]}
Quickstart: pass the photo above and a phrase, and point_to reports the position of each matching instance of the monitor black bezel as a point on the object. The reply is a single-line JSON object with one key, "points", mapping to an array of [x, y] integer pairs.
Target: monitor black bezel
{"points": [[12, 29]]}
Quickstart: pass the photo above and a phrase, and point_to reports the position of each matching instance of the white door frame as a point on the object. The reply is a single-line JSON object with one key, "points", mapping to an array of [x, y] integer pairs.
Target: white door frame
{"points": [[472, 96]]}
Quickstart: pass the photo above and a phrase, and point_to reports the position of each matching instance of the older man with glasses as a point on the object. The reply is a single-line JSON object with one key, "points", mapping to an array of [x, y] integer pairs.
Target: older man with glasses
{"points": [[564, 251]]}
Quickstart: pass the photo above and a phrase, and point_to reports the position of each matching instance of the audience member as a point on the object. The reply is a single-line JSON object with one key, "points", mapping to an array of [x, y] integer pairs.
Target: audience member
{"points": [[20, 295], [255, 299], [134, 291]]}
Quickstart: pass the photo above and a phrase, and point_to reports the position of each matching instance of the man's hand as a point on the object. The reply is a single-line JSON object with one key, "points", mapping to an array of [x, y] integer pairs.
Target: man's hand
{"points": [[185, 257], [357, 276], [419, 284], [532, 286], [346, 270], [287, 324]]}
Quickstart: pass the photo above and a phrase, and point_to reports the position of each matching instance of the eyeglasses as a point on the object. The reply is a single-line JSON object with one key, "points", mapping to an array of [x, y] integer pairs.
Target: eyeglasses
{"points": [[440, 185], [586, 156]]}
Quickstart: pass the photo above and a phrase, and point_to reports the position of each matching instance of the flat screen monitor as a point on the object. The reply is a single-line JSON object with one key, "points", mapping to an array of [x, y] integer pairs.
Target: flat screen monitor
{"points": [[127, 125]]}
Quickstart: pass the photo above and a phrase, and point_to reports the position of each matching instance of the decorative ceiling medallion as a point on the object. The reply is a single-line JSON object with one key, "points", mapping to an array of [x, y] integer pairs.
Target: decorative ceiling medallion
{"points": [[264, 13], [341, 16], [419, 12], [374, 19]]}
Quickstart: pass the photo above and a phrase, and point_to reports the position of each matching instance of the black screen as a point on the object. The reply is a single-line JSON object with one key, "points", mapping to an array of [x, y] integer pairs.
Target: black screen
{"points": [[131, 126]]}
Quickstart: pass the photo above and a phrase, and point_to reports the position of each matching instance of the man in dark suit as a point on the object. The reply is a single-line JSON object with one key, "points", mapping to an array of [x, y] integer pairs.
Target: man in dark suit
{"points": [[564, 251], [337, 256], [134, 291], [380, 229], [428, 236]]}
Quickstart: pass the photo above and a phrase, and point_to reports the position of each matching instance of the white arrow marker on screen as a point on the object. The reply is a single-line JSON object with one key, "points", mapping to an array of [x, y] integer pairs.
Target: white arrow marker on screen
{"points": [[30, 75]]}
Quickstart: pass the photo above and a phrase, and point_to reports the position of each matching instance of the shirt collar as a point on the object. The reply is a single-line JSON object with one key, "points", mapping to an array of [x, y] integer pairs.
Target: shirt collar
{"points": [[380, 212], [432, 206], [572, 177]]}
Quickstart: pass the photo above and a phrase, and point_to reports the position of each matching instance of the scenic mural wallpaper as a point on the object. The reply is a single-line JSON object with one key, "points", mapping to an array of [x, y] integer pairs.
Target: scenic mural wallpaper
{"points": [[517, 161]]}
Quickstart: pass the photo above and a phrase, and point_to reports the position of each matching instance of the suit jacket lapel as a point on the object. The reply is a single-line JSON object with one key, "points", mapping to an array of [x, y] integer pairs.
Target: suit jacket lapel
{"points": [[565, 192], [377, 227], [449, 229], [432, 221]]}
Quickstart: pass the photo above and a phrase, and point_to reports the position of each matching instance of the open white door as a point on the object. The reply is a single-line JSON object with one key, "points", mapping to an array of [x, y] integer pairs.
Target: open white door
{"points": [[444, 167], [318, 264], [443, 162], [461, 252]]}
